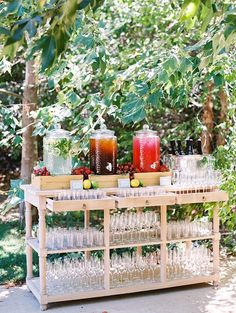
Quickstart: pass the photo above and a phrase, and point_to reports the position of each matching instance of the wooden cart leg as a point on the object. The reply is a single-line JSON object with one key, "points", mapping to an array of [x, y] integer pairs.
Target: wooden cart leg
{"points": [[107, 250], [42, 249], [163, 245], [216, 245], [43, 307], [29, 250]]}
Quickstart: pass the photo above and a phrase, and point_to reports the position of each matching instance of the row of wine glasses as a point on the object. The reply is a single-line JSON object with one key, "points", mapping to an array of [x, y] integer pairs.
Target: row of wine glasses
{"points": [[141, 192], [186, 229], [197, 181], [61, 238], [184, 262], [80, 195], [71, 275], [193, 173], [131, 227], [130, 268]]}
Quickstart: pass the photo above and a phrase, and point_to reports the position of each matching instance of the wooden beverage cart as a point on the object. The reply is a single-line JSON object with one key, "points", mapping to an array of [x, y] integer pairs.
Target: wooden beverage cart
{"points": [[45, 201]]}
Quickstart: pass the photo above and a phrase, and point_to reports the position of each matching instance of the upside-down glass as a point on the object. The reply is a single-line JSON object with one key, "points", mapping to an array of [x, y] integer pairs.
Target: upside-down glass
{"points": [[186, 229], [132, 227], [131, 268], [73, 274], [61, 238], [185, 262]]}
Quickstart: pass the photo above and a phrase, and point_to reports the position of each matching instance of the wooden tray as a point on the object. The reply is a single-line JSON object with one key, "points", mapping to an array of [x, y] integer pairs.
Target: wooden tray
{"points": [[151, 178], [54, 182], [107, 181]]}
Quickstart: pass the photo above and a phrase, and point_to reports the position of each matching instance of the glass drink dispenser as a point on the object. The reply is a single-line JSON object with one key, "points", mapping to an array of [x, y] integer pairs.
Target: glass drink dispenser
{"points": [[146, 150], [103, 151], [57, 145]]}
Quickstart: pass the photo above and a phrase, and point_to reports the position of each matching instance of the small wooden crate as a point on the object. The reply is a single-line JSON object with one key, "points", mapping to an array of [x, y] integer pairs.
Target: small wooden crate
{"points": [[107, 181], [151, 178], [54, 182]]}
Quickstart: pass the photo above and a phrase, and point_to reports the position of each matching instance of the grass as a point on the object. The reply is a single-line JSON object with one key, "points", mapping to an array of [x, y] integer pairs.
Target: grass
{"points": [[12, 253]]}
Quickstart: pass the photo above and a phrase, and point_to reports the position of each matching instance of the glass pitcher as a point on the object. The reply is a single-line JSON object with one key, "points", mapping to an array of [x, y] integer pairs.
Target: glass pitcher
{"points": [[57, 146], [103, 151], [146, 150]]}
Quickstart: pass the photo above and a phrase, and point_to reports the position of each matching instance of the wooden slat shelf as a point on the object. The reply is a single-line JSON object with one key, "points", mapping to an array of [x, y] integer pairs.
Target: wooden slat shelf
{"points": [[136, 244], [182, 239], [42, 200], [33, 285], [34, 243]]}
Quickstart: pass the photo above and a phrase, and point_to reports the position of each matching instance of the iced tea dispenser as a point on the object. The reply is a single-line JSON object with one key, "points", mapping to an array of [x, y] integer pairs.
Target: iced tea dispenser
{"points": [[146, 150], [103, 151]]}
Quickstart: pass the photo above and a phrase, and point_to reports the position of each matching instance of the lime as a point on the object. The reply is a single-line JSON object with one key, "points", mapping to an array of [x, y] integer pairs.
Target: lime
{"points": [[94, 184]]}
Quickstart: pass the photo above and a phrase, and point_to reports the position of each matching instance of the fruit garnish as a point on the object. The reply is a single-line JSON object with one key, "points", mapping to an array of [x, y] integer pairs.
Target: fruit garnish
{"points": [[94, 184], [82, 170], [87, 184], [41, 171], [127, 168], [134, 183], [163, 168]]}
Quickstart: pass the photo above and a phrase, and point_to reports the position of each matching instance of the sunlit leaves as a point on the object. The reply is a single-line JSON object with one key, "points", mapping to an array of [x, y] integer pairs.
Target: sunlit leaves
{"points": [[133, 109], [57, 21]]}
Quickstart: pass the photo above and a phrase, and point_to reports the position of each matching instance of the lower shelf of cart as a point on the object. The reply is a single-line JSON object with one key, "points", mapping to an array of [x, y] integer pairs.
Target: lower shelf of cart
{"points": [[33, 285]]}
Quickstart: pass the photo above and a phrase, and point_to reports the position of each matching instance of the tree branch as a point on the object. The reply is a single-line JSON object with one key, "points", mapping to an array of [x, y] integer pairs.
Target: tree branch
{"points": [[10, 93]]}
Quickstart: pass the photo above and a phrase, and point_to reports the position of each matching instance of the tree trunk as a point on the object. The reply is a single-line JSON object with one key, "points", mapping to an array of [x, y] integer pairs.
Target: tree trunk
{"points": [[29, 142], [208, 122], [220, 138]]}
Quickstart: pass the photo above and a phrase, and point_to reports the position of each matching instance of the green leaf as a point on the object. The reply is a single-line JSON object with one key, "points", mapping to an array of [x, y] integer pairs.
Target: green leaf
{"points": [[163, 77], [86, 40], [61, 38], [218, 80], [11, 49], [155, 97], [4, 31], [11, 203], [133, 110], [83, 4], [171, 64], [185, 65], [17, 140], [13, 6], [141, 88], [17, 35], [95, 4], [48, 53], [135, 116]]}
